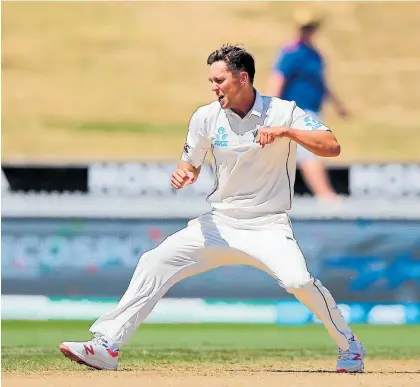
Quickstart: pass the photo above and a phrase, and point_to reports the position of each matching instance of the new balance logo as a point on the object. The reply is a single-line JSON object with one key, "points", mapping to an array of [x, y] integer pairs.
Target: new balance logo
{"points": [[187, 148], [358, 357], [89, 350], [112, 353]]}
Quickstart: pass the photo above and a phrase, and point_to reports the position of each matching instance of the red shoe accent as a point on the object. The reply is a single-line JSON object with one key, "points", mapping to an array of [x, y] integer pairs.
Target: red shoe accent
{"points": [[89, 350], [342, 371], [66, 351], [358, 357], [113, 353]]}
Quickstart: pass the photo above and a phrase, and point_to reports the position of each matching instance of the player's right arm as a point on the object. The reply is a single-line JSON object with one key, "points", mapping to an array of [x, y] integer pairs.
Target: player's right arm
{"points": [[184, 174], [195, 148]]}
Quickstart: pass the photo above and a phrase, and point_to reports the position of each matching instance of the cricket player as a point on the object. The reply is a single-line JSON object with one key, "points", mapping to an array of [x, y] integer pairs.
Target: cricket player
{"points": [[253, 140]]}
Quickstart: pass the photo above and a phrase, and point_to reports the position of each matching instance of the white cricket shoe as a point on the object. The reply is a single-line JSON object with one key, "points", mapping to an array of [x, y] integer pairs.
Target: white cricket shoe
{"points": [[352, 359], [96, 353]]}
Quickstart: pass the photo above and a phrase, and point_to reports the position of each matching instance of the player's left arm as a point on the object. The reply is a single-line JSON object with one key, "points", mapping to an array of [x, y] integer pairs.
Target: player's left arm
{"points": [[306, 131], [320, 142]]}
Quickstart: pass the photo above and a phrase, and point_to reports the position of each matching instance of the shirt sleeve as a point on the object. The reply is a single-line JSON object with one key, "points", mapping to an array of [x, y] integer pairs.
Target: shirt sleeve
{"points": [[285, 63], [304, 121], [197, 143]]}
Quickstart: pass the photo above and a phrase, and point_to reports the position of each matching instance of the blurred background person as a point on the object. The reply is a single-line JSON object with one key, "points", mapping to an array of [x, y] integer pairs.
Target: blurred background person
{"points": [[299, 75]]}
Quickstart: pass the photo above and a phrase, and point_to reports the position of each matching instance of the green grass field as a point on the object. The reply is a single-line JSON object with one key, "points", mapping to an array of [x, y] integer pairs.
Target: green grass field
{"points": [[33, 346], [120, 80]]}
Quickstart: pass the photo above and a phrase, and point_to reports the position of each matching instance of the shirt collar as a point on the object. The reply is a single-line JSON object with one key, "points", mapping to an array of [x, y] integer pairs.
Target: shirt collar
{"points": [[258, 107]]}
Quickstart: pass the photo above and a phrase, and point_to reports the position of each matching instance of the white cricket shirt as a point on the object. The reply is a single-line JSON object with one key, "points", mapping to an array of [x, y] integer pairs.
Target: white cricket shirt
{"points": [[250, 182]]}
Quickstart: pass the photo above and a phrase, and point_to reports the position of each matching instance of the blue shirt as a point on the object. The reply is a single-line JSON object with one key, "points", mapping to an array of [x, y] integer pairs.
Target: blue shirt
{"points": [[303, 69]]}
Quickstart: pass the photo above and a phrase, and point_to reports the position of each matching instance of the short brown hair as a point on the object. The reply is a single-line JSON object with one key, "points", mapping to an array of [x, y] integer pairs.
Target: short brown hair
{"points": [[236, 59]]}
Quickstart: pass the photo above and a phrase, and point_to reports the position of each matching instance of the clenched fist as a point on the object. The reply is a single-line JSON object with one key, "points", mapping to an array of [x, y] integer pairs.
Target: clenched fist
{"points": [[268, 135], [181, 177]]}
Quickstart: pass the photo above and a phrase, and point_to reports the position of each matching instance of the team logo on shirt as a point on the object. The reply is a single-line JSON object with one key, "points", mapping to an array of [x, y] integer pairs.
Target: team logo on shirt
{"points": [[221, 137], [313, 124]]}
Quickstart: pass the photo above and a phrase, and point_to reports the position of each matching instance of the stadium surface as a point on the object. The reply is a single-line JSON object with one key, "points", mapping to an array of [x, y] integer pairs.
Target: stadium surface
{"points": [[210, 355]]}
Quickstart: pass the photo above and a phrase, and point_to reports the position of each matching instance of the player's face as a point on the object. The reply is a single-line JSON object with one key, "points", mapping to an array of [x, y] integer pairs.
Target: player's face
{"points": [[225, 84]]}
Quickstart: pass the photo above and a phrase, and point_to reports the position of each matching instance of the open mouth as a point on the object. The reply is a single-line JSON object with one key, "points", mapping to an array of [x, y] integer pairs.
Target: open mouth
{"points": [[220, 98]]}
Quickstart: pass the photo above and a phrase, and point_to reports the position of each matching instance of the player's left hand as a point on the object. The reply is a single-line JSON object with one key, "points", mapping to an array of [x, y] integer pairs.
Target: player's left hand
{"points": [[268, 135]]}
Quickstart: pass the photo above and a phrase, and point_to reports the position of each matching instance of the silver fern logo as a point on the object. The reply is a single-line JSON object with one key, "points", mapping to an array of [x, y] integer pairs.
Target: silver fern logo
{"points": [[312, 123], [221, 137]]}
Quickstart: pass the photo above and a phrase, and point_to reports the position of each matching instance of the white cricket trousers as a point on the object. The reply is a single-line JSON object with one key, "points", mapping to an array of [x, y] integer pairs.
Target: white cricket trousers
{"points": [[205, 245]]}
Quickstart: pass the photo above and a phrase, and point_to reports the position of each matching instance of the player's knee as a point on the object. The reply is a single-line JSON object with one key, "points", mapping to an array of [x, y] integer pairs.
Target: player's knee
{"points": [[151, 259], [159, 257], [293, 286], [145, 257]]}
